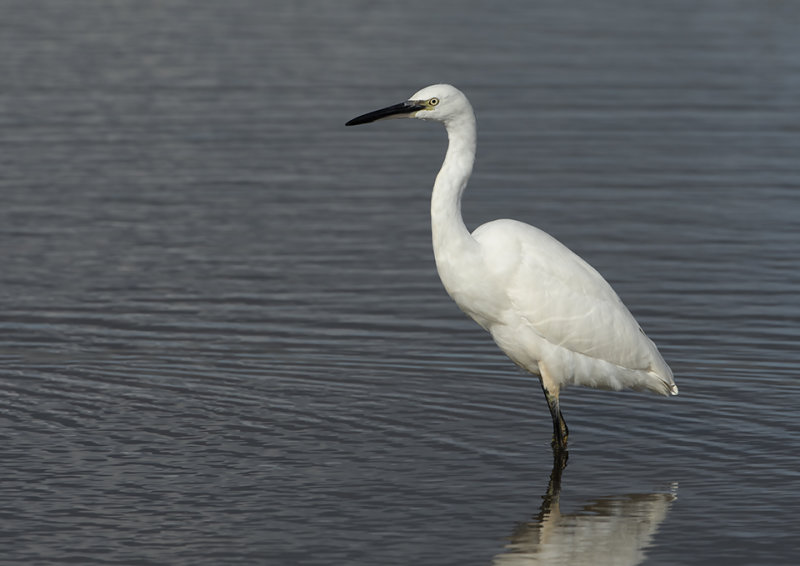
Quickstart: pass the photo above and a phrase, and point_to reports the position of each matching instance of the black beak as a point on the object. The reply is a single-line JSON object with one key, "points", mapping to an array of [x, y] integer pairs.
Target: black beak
{"points": [[401, 110]]}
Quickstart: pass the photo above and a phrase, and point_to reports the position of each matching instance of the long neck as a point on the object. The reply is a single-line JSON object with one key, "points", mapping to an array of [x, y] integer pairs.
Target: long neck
{"points": [[451, 239]]}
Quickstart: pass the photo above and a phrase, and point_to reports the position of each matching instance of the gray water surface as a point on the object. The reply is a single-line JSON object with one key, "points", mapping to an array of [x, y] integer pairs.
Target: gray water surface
{"points": [[222, 335]]}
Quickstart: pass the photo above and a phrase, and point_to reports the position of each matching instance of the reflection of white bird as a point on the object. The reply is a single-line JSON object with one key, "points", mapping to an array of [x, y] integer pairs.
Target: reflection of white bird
{"points": [[609, 531], [546, 308]]}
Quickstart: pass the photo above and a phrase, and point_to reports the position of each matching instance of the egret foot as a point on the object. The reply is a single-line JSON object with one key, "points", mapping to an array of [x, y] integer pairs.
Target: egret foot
{"points": [[560, 433], [560, 430]]}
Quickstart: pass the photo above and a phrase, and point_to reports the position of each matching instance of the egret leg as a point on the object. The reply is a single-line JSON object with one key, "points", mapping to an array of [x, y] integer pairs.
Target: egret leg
{"points": [[560, 430]]}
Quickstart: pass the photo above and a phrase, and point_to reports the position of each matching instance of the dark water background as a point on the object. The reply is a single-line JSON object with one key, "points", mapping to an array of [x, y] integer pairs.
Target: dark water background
{"points": [[222, 336]]}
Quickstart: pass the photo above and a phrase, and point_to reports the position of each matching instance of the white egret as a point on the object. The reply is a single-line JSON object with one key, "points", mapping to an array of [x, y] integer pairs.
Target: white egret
{"points": [[545, 307]]}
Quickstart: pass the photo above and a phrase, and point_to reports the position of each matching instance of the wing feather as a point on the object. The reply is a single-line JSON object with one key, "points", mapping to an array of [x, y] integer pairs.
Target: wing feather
{"points": [[563, 298]]}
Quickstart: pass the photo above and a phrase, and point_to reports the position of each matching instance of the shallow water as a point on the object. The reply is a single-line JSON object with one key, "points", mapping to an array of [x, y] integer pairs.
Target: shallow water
{"points": [[223, 337]]}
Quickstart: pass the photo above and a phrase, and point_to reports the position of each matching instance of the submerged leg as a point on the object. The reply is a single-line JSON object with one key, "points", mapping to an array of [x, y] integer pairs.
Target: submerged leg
{"points": [[560, 430]]}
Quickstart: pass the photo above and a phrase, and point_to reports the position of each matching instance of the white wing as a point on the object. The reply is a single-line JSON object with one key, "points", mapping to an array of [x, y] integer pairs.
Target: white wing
{"points": [[564, 299]]}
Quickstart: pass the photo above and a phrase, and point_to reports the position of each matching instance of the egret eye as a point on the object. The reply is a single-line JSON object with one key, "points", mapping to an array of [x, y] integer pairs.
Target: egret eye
{"points": [[433, 101]]}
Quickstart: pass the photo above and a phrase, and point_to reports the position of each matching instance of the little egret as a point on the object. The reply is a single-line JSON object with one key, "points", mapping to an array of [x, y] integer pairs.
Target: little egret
{"points": [[546, 308]]}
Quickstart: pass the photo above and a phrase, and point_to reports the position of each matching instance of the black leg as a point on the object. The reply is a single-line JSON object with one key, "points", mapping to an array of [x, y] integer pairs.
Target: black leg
{"points": [[560, 430]]}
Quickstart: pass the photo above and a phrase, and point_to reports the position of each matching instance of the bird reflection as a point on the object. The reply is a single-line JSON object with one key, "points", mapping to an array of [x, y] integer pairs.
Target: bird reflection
{"points": [[611, 530]]}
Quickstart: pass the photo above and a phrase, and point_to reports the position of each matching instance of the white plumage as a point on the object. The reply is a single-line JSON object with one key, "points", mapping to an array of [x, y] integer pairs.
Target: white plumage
{"points": [[551, 312]]}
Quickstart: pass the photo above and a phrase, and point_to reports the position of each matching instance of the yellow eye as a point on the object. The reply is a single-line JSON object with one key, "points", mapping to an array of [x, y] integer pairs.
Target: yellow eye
{"points": [[433, 101]]}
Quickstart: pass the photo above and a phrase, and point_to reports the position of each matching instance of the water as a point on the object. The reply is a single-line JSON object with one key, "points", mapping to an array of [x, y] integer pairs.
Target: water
{"points": [[223, 337]]}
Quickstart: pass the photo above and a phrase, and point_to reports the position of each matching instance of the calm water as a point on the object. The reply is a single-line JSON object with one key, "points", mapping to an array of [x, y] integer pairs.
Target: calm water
{"points": [[223, 339]]}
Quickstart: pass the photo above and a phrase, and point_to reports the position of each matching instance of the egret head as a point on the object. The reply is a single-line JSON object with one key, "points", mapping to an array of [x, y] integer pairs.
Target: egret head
{"points": [[441, 103]]}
